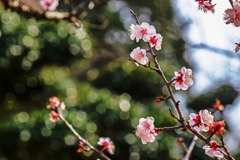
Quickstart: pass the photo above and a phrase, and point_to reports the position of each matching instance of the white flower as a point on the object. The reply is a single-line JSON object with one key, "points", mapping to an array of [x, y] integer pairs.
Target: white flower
{"points": [[145, 130], [143, 31], [156, 40], [201, 121], [50, 5], [139, 55], [135, 32], [213, 150], [107, 144], [184, 79]]}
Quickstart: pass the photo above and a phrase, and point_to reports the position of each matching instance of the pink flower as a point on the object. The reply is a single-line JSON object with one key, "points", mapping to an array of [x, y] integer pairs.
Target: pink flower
{"points": [[233, 15], [201, 121], [54, 116], [184, 79], [55, 102], [212, 150], [206, 6], [146, 130], [143, 31], [156, 40], [50, 5], [139, 55], [107, 144]]}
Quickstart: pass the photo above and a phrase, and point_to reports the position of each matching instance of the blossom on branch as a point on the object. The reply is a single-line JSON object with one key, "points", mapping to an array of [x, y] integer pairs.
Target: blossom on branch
{"points": [[107, 144], [146, 130], [55, 103], [183, 79], [201, 121], [50, 5], [232, 15], [54, 116], [139, 55], [143, 31], [206, 6], [156, 40], [212, 150], [217, 127]]}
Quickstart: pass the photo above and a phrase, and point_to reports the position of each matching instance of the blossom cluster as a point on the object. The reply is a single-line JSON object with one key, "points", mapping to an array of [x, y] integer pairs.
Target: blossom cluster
{"points": [[203, 121], [148, 34], [232, 15], [183, 78], [54, 105]]}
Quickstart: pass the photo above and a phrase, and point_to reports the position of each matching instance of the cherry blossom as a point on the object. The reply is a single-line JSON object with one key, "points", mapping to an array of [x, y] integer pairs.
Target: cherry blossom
{"points": [[206, 6], [201, 121], [143, 31], [232, 15], [55, 103], [107, 144], [54, 116], [50, 5], [217, 127], [146, 130], [156, 40], [183, 79], [139, 55], [212, 150]]}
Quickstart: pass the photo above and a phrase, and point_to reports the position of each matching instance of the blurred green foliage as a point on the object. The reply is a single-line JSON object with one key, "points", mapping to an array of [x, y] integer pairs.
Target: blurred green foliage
{"points": [[88, 69]]}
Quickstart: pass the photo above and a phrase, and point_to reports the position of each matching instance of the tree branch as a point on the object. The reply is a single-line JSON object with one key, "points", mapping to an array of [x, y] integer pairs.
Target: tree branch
{"points": [[80, 138]]}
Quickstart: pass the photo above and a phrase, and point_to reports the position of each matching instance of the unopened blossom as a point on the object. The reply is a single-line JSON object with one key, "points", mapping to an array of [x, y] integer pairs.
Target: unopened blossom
{"points": [[146, 130], [54, 116], [201, 121], [50, 5], [206, 6], [156, 40], [212, 150], [183, 79], [142, 31], [217, 127], [107, 144], [139, 55]]}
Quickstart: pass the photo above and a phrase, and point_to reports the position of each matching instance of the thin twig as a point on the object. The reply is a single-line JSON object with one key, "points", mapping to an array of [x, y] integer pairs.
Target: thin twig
{"points": [[80, 138], [168, 128], [190, 149], [225, 148]]}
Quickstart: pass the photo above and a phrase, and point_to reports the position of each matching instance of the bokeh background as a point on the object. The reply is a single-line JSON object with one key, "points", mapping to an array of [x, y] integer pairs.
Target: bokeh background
{"points": [[105, 93]]}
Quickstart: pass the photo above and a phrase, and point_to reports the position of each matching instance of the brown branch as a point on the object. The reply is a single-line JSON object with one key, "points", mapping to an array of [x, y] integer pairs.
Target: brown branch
{"points": [[231, 2], [81, 139], [144, 65], [176, 103], [225, 148], [168, 128]]}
